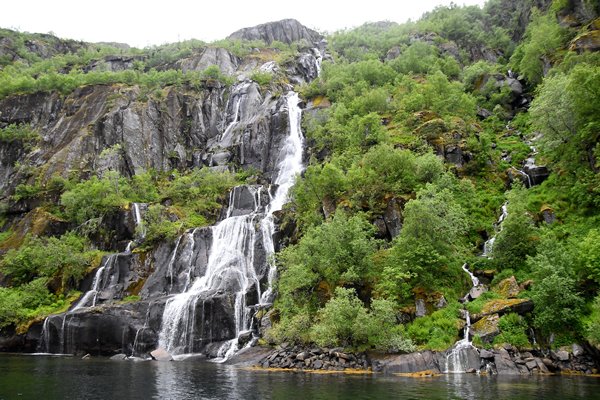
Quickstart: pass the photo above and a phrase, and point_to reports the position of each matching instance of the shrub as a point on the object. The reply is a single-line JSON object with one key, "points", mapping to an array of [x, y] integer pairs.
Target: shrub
{"points": [[512, 330]]}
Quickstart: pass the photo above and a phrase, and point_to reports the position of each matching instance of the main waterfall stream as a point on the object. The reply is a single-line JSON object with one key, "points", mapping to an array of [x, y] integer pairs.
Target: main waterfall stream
{"points": [[232, 262]]}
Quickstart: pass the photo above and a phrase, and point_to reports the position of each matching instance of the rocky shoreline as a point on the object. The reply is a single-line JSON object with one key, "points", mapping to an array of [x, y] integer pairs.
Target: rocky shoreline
{"points": [[506, 360]]}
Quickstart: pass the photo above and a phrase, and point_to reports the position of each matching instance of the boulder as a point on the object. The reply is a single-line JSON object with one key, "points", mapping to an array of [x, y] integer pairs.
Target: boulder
{"points": [[161, 354], [487, 328], [588, 41], [508, 288], [486, 354], [504, 363], [504, 306], [421, 311], [548, 214], [561, 355], [577, 350], [536, 173], [477, 291], [409, 363]]}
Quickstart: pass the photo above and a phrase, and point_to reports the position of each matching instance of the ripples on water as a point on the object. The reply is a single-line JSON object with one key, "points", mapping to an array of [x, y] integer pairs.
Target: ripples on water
{"points": [[44, 377]]}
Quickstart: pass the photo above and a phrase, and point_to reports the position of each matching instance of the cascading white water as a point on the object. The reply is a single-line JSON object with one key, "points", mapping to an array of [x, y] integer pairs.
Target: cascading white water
{"points": [[474, 279], [289, 166], [103, 278], [100, 279], [227, 136], [457, 360], [231, 260], [488, 246], [138, 221], [319, 60]]}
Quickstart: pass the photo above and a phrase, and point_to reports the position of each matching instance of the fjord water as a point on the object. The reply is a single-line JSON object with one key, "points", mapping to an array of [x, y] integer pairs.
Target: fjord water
{"points": [[35, 377]]}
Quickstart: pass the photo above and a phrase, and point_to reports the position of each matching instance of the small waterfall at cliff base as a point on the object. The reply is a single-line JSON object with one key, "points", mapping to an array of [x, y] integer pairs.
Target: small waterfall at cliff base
{"points": [[241, 246], [463, 356], [105, 277]]}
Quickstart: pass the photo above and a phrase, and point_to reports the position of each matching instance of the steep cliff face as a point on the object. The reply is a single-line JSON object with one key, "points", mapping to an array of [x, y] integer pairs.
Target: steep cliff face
{"points": [[286, 31], [218, 125], [96, 128]]}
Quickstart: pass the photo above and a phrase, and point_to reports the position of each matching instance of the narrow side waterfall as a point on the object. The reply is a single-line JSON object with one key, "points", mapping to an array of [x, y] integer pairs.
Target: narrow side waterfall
{"points": [[101, 280], [488, 246], [227, 135], [463, 355], [106, 276], [458, 360], [233, 267]]}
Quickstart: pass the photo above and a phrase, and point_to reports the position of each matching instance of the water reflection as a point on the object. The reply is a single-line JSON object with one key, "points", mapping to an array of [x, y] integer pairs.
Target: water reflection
{"points": [[27, 377]]}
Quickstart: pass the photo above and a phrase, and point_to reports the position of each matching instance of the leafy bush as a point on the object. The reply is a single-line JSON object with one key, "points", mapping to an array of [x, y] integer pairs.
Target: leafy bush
{"points": [[22, 133], [592, 328], [512, 330], [437, 331], [558, 304], [345, 259], [517, 239], [345, 321], [262, 78], [67, 258]]}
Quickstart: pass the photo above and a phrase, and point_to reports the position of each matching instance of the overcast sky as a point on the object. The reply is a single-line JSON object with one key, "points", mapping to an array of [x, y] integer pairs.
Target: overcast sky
{"points": [[150, 22]]}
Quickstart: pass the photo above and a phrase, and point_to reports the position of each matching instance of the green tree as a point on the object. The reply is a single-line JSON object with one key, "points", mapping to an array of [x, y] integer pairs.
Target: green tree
{"points": [[566, 111], [517, 239], [542, 38], [67, 258], [558, 304], [434, 224], [346, 259]]}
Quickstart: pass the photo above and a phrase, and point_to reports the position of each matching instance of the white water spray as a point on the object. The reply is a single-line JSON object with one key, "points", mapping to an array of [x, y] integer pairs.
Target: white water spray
{"points": [[231, 260]]}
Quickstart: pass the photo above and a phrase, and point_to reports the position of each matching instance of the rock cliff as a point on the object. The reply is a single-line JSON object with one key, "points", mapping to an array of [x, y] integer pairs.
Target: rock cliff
{"points": [[97, 128]]}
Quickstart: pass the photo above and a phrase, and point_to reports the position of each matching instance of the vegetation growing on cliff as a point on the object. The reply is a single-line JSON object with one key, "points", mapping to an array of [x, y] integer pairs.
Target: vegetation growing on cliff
{"points": [[416, 135]]}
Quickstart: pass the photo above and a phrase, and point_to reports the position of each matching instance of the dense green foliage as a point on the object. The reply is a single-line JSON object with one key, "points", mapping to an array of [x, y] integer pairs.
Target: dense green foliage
{"points": [[399, 92], [414, 141]]}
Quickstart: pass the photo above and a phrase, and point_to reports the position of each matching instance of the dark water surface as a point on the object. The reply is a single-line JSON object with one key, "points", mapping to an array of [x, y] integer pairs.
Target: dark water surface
{"points": [[46, 377]]}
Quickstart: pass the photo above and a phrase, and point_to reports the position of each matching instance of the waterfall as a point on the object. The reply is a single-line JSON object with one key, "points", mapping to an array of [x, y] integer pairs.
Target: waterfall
{"points": [[227, 136], [103, 278], [474, 279], [138, 221], [44, 345], [230, 269], [318, 59], [488, 246], [459, 359]]}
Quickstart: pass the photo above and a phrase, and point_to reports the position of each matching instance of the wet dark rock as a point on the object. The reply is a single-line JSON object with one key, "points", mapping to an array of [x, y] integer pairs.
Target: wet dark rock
{"points": [[393, 218], [314, 359], [408, 363], [483, 353], [537, 173], [504, 364]]}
